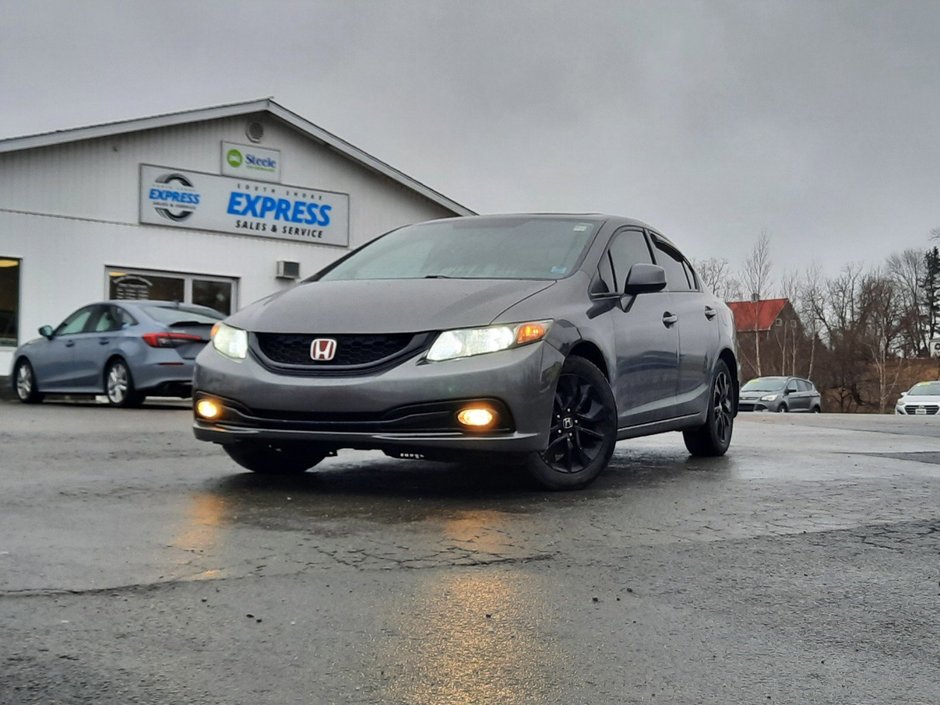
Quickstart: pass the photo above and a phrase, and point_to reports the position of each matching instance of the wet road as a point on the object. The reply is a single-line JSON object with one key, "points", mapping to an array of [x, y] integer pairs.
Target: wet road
{"points": [[140, 566]]}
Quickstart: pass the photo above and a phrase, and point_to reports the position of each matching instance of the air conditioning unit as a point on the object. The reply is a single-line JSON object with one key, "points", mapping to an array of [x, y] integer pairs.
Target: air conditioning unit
{"points": [[287, 269]]}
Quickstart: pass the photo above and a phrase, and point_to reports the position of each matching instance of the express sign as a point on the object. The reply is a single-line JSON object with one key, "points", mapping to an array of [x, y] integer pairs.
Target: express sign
{"points": [[187, 199]]}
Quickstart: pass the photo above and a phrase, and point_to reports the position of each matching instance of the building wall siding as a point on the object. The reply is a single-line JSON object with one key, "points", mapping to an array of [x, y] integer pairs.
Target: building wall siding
{"points": [[69, 211]]}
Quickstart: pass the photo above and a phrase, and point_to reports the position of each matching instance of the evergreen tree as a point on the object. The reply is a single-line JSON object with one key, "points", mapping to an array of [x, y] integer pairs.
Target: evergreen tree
{"points": [[931, 286]]}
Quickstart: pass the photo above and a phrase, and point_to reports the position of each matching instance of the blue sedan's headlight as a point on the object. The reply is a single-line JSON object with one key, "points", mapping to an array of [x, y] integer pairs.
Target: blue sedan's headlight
{"points": [[466, 342], [231, 342]]}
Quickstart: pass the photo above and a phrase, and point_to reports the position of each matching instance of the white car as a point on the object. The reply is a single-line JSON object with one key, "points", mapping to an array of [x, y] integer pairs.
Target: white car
{"points": [[923, 399]]}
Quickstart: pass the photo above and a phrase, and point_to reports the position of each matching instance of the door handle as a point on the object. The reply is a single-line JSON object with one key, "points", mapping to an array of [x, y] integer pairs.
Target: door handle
{"points": [[710, 313], [104, 341], [70, 344], [669, 319]]}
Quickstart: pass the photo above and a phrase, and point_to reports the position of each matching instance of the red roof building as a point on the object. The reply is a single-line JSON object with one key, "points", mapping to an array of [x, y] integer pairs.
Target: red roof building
{"points": [[756, 315], [771, 340]]}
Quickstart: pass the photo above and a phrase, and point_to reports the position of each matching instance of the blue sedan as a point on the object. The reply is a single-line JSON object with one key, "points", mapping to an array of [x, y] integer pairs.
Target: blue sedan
{"points": [[125, 350]]}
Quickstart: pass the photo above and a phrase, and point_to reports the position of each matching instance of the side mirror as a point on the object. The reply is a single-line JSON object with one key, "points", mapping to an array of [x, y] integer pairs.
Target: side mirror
{"points": [[46, 332], [903, 394], [643, 278]]}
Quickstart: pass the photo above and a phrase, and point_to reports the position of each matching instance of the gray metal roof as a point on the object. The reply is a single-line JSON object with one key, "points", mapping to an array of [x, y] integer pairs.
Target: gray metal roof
{"points": [[264, 105]]}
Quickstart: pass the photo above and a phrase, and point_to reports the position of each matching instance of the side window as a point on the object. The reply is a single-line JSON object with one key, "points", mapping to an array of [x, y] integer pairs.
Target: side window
{"points": [[803, 385], [670, 260], [791, 386], [626, 249], [109, 320], [76, 322], [125, 318]]}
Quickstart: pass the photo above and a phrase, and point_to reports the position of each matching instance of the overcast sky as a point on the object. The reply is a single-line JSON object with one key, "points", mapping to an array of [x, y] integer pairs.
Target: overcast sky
{"points": [[817, 122]]}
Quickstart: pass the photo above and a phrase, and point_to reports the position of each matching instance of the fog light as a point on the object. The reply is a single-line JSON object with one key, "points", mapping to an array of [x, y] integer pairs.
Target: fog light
{"points": [[476, 417], [208, 409]]}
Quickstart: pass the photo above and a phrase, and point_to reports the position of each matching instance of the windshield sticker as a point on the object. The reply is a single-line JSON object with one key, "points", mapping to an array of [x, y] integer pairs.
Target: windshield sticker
{"points": [[559, 270], [581, 228]]}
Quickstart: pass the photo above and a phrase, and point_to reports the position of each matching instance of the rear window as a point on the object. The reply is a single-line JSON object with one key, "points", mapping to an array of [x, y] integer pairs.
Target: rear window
{"points": [[177, 315]]}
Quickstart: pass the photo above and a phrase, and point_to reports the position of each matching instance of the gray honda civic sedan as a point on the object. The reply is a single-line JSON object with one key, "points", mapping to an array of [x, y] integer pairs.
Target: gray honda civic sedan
{"points": [[545, 338]]}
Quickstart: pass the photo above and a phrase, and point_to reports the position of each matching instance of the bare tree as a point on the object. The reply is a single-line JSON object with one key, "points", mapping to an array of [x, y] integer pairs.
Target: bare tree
{"points": [[790, 290], [811, 308], [879, 323], [717, 276], [756, 273], [907, 270]]}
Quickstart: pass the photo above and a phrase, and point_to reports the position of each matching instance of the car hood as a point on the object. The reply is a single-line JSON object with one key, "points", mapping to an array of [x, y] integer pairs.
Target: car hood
{"points": [[385, 305], [758, 395], [919, 399]]}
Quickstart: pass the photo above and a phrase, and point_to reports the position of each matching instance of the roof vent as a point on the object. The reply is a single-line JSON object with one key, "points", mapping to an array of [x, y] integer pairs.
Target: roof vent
{"points": [[254, 131]]}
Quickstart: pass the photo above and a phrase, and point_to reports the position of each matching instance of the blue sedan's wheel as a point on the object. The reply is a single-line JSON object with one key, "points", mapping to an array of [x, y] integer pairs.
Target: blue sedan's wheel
{"points": [[119, 385], [582, 431], [24, 383], [714, 436]]}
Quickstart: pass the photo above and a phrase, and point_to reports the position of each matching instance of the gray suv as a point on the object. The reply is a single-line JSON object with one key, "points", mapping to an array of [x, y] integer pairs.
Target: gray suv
{"points": [[545, 338], [780, 394]]}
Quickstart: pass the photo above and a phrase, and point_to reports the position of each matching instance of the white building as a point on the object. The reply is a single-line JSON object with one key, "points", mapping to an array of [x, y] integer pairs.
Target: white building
{"points": [[219, 206]]}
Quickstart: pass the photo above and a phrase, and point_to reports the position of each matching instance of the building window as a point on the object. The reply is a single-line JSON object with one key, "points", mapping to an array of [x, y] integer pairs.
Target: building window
{"points": [[205, 290], [9, 300]]}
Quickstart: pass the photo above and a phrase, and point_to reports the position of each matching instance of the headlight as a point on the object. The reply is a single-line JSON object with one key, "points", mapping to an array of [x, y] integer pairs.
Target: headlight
{"points": [[231, 342], [465, 342], [769, 397]]}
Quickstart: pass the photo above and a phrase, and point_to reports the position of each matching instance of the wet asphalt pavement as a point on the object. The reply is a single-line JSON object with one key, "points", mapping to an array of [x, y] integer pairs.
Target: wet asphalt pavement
{"points": [[138, 565]]}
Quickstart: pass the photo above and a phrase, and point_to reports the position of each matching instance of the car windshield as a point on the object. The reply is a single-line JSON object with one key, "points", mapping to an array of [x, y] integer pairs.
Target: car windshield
{"points": [[922, 389], [488, 248], [764, 384], [183, 315]]}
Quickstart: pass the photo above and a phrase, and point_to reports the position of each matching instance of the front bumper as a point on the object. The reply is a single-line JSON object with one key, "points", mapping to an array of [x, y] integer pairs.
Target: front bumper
{"points": [[411, 406], [757, 405]]}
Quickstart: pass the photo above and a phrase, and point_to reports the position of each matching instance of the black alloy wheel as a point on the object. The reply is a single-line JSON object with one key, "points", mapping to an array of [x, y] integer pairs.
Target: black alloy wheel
{"points": [[714, 436], [582, 431]]}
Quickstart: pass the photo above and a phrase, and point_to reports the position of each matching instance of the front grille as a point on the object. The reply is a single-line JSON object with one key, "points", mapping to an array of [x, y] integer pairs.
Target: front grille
{"points": [[355, 353], [294, 349], [929, 409]]}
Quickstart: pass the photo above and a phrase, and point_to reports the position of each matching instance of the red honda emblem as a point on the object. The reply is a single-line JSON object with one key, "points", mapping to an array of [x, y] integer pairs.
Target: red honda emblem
{"points": [[323, 349]]}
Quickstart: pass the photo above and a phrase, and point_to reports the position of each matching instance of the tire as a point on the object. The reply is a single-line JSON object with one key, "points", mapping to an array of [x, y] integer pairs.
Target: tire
{"points": [[816, 410], [119, 385], [274, 459], [24, 383], [582, 430], [782, 409], [712, 438]]}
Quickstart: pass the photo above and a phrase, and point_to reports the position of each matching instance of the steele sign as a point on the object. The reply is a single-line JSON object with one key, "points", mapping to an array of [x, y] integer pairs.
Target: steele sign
{"points": [[249, 162]]}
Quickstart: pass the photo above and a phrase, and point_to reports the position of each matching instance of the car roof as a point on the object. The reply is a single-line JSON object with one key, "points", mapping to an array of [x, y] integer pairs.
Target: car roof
{"points": [[598, 218]]}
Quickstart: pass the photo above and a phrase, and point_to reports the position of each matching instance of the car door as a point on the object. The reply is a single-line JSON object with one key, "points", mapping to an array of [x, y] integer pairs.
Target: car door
{"points": [[93, 346], [645, 338], [803, 396], [55, 370], [696, 325]]}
